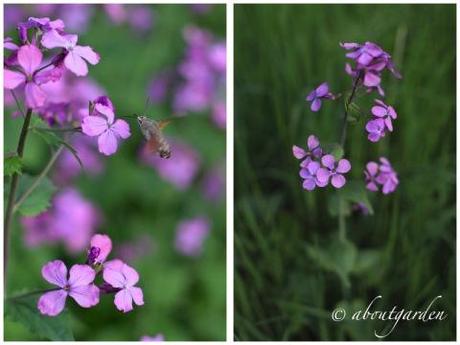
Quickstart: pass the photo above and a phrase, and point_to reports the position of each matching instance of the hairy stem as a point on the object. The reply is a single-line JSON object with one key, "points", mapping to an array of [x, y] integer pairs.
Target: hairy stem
{"points": [[40, 177], [12, 195], [347, 105], [31, 293]]}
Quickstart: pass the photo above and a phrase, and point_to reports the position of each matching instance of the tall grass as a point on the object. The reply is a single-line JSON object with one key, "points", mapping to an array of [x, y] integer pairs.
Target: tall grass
{"points": [[406, 250]]}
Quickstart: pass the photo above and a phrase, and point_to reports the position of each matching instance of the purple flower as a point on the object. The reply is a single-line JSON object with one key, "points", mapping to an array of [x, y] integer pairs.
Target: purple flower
{"points": [[79, 286], [76, 16], [213, 184], [382, 175], [29, 58], [103, 125], [219, 114], [71, 219], [116, 12], [158, 337], [123, 277], [387, 177], [376, 129], [308, 173], [44, 24], [190, 236], [360, 208], [158, 88], [180, 169], [100, 248], [140, 17], [385, 112], [370, 174], [333, 171], [317, 94], [363, 54], [313, 151], [76, 55]]}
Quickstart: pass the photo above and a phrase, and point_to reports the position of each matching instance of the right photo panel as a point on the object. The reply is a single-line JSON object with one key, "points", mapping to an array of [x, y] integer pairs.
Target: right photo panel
{"points": [[345, 173]]}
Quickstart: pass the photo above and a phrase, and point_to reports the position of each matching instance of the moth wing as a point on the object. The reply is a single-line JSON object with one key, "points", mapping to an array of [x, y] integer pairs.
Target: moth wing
{"points": [[163, 123]]}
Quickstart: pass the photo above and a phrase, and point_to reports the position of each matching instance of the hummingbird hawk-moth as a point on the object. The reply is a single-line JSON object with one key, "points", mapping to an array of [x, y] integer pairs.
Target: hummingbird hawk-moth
{"points": [[153, 132]]}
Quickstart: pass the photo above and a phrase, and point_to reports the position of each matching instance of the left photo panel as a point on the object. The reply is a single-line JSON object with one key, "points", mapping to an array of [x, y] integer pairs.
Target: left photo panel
{"points": [[114, 172]]}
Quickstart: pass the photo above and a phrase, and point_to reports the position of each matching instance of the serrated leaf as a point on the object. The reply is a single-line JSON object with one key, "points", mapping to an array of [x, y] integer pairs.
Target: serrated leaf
{"points": [[12, 165], [40, 198], [355, 192], [334, 149], [339, 256], [24, 310]]}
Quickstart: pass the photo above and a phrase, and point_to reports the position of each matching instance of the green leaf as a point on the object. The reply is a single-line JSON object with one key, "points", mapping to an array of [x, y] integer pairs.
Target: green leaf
{"points": [[355, 192], [12, 165], [354, 113], [39, 200], [334, 149], [339, 256], [24, 310]]}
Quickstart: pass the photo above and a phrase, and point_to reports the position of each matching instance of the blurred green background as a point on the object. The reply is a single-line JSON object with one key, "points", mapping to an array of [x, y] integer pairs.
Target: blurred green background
{"points": [[184, 297], [406, 251]]}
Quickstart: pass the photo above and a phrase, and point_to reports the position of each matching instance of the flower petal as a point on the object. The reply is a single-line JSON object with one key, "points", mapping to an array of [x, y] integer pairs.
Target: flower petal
{"points": [[107, 143], [29, 58], [94, 125], [344, 166], [137, 295], [106, 111], [85, 295], [316, 105], [132, 277], [55, 272], [312, 142], [372, 168], [76, 64], [322, 175], [121, 127], [389, 124], [298, 152], [52, 303], [311, 96], [371, 79], [81, 275], [309, 184], [304, 173], [87, 53], [372, 187], [112, 273], [313, 167], [123, 301], [392, 112], [379, 111], [338, 181], [12, 79], [328, 161], [35, 96], [52, 39], [322, 90]]}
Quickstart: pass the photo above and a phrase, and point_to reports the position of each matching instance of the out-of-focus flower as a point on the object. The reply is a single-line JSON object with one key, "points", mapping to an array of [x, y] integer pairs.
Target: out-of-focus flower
{"points": [[67, 166], [76, 16], [71, 220], [116, 12], [141, 246], [158, 87], [140, 17], [158, 337], [218, 57], [103, 125], [385, 112], [201, 8], [12, 14], [79, 286], [75, 56], [381, 176], [360, 208], [219, 114], [9, 44], [213, 184], [29, 58], [321, 92], [123, 277], [333, 170], [190, 236], [180, 169]]}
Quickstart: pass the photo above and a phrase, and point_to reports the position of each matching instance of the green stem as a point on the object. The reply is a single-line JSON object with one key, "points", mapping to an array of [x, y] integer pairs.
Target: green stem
{"points": [[40, 177], [31, 293], [342, 223], [12, 195]]}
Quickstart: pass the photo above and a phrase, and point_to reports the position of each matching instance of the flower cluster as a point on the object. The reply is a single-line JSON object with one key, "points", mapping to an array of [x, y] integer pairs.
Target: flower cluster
{"points": [[370, 61], [381, 176], [318, 169], [382, 121], [79, 283]]}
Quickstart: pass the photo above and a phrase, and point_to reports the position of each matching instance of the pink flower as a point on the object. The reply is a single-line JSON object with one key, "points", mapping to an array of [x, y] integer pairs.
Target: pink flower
{"points": [[76, 55], [29, 58], [190, 236], [79, 286], [103, 125], [123, 277], [100, 248]]}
